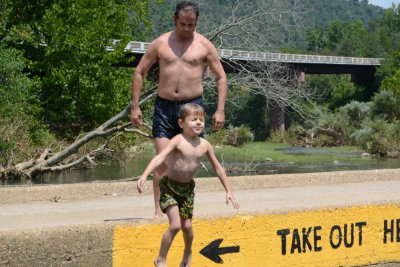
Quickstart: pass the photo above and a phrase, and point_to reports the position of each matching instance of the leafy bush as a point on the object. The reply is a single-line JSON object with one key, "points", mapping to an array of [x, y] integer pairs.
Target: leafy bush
{"points": [[385, 105], [217, 137], [326, 128], [324, 140], [237, 136], [379, 137], [232, 136], [20, 129], [296, 135], [355, 112]]}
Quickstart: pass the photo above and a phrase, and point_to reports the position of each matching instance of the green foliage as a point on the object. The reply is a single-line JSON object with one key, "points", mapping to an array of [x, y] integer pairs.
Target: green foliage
{"points": [[20, 129], [259, 151], [374, 126], [344, 91], [389, 73], [252, 113], [355, 112], [328, 128], [335, 90], [66, 42], [232, 136], [237, 136], [390, 29], [392, 83], [379, 137], [385, 105], [344, 39], [217, 137], [334, 21], [294, 136]]}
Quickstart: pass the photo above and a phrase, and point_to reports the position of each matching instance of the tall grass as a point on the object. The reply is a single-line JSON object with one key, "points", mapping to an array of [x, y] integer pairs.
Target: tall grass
{"points": [[260, 151]]}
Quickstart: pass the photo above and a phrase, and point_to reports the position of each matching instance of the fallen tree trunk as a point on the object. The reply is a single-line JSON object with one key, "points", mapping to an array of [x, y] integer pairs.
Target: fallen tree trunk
{"points": [[47, 161]]}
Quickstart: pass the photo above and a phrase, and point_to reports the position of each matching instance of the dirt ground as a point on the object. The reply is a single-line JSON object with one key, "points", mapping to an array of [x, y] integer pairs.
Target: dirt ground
{"points": [[37, 219]]}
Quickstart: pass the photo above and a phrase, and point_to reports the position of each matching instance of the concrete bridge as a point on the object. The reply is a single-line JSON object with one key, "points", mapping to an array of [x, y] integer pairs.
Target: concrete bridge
{"points": [[362, 70], [311, 64]]}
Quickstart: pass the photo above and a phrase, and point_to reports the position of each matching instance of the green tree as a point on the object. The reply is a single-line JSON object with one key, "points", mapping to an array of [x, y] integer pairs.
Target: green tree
{"points": [[316, 39], [66, 42], [392, 83], [20, 127], [390, 29]]}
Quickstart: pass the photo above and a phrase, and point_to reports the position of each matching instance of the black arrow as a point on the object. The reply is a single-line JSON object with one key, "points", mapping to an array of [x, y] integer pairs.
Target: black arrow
{"points": [[212, 250]]}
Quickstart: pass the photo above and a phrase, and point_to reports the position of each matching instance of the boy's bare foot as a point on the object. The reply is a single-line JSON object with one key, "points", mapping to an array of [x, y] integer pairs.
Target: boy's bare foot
{"points": [[160, 262], [186, 259]]}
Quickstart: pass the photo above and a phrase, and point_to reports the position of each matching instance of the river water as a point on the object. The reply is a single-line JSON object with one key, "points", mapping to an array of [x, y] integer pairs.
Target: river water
{"points": [[116, 170]]}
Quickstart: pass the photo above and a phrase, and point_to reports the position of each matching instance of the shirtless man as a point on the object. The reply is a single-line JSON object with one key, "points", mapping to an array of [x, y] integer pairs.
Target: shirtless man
{"points": [[182, 55]]}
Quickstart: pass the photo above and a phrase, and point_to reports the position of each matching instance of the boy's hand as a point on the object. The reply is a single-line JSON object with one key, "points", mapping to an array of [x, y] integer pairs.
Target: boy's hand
{"points": [[140, 184], [231, 198]]}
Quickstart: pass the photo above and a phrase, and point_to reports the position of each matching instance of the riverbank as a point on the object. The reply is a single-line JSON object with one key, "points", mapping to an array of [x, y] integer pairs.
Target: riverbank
{"points": [[110, 189]]}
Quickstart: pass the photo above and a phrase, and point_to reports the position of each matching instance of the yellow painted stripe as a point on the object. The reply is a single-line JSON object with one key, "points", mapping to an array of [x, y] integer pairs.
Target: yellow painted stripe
{"points": [[312, 238]]}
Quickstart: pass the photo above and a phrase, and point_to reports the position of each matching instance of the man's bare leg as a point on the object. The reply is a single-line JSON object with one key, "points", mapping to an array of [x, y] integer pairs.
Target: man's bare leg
{"points": [[160, 143], [169, 235], [187, 231]]}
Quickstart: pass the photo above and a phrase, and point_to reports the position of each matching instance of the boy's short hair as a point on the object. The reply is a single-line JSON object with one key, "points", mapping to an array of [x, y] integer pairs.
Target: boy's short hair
{"points": [[189, 109]]}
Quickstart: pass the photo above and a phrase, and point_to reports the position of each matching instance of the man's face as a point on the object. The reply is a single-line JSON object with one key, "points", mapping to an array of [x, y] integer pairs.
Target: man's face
{"points": [[185, 24]]}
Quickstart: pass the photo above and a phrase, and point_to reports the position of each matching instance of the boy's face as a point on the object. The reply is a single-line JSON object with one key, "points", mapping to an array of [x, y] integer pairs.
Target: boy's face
{"points": [[192, 125]]}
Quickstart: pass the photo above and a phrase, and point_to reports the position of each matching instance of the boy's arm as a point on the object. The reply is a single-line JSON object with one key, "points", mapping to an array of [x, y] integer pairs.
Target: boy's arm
{"points": [[156, 161], [220, 171]]}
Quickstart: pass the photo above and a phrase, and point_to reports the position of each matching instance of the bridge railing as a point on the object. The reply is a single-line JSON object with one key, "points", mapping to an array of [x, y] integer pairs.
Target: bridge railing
{"points": [[141, 47]]}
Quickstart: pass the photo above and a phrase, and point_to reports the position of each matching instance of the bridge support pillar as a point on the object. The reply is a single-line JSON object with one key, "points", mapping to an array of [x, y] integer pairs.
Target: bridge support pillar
{"points": [[277, 113], [276, 117], [302, 77]]}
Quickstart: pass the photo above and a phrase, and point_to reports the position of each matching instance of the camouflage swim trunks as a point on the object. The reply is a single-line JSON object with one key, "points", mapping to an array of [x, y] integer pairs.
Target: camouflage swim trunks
{"points": [[181, 194]]}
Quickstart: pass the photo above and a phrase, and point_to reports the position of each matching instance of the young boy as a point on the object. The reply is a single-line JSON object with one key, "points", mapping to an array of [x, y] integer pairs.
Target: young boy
{"points": [[183, 154]]}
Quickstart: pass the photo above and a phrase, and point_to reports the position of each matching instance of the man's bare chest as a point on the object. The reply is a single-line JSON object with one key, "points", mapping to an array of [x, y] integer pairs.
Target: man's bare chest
{"points": [[191, 56]]}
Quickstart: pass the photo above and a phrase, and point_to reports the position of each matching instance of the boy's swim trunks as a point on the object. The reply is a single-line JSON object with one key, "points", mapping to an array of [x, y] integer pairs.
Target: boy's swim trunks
{"points": [[181, 194]]}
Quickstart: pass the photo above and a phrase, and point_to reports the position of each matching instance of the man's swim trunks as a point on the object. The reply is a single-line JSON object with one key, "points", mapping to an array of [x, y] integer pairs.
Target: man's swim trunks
{"points": [[181, 194], [166, 115]]}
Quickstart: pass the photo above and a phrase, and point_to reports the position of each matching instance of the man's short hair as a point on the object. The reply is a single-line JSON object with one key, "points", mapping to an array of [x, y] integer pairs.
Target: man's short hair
{"points": [[187, 6]]}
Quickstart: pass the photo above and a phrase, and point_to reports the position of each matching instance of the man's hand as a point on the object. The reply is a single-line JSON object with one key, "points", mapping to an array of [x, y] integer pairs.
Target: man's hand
{"points": [[136, 116], [218, 120], [231, 198], [140, 184]]}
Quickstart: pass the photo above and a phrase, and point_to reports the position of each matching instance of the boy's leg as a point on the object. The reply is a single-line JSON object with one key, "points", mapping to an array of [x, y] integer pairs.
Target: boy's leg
{"points": [[187, 231], [169, 235], [160, 143]]}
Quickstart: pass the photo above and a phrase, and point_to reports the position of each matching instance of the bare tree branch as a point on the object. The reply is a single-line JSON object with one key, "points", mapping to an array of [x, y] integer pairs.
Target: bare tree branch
{"points": [[252, 26]]}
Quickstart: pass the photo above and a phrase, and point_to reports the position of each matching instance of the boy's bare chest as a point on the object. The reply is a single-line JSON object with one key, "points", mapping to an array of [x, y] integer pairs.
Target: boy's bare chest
{"points": [[191, 153]]}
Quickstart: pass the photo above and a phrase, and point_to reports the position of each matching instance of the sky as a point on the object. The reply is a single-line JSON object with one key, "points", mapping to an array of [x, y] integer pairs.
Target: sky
{"points": [[383, 3]]}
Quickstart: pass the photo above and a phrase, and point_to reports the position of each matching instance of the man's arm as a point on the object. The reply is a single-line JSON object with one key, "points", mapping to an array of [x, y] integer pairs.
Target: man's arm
{"points": [[219, 170], [148, 59], [157, 160], [222, 86]]}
